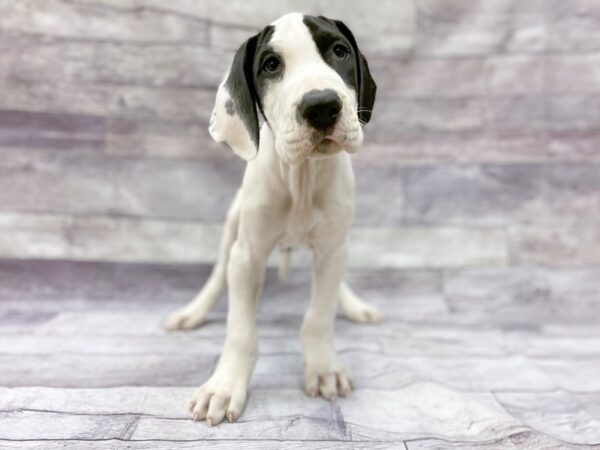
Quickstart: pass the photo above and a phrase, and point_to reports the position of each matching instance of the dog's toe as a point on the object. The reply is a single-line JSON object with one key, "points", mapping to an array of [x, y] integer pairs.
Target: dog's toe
{"points": [[344, 384], [214, 404], [311, 383], [182, 320], [216, 409], [174, 322], [363, 314], [330, 384], [236, 404], [199, 405]]}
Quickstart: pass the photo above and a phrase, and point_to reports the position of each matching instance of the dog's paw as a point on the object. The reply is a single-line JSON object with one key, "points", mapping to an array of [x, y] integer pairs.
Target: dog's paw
{"points": [[217, 399], [355, 309], [330, 382], [183, 319], [362, 313]]}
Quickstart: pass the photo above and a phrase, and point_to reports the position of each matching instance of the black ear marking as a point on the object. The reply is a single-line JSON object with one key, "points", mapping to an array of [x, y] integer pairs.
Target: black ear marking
{"points": [[367, 88], [229, 107], [234, 120], [240, 84]]}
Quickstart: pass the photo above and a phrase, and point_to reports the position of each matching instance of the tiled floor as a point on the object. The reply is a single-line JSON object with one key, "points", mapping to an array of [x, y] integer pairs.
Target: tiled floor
{"points": [[457, 363]]}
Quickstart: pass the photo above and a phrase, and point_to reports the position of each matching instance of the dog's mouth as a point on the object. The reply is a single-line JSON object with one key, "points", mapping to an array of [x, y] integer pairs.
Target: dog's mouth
{"points": [[318, 144], [326, 147]]}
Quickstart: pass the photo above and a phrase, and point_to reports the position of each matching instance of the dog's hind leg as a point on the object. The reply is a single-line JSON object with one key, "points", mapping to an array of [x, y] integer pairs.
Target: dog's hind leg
{"points": [[194, 313], [354, 308]]}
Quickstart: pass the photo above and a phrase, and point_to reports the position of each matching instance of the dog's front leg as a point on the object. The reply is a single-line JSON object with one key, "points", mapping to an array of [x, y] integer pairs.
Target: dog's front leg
{"points": [[224, 394], [323, 373]]}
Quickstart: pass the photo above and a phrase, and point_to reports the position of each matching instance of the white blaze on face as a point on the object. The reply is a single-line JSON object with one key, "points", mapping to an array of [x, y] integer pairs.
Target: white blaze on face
{"points": [[305, 70]]}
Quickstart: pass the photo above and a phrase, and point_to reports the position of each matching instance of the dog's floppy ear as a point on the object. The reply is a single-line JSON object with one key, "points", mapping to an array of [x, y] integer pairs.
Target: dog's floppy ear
{"points": [[234, 119], [366, 85]]}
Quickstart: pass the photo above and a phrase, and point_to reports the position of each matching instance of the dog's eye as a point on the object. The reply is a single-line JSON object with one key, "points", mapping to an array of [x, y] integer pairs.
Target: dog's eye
{"points": [[271, 64], [340, 51]]}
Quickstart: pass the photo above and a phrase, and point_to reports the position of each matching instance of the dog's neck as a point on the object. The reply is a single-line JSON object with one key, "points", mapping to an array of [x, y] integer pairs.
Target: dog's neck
{"points": [[303, 180], [300, 181], [306, 183], [301, 184]]}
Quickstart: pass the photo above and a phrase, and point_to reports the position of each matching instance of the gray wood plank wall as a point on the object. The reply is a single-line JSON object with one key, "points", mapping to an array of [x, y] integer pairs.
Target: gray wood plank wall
{"points": [[483, 150]]}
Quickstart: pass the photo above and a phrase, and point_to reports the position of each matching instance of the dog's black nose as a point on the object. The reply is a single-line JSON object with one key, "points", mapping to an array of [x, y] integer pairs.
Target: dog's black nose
{"points": [[321, 109]]}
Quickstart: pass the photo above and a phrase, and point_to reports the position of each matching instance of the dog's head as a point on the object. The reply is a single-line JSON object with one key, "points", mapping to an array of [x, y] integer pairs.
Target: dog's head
{"points": [[309, 80]]}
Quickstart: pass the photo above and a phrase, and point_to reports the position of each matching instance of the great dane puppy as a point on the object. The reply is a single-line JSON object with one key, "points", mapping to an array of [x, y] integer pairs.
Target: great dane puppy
{"points": [[314, 90]]}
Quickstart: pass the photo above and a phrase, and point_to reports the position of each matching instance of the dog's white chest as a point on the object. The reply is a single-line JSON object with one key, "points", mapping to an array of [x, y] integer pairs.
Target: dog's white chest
{"points": [[304, 215]]}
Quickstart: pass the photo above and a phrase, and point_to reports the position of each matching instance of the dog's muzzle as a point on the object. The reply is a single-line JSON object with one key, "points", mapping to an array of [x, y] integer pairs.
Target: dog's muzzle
{"points": [[320, 109]]}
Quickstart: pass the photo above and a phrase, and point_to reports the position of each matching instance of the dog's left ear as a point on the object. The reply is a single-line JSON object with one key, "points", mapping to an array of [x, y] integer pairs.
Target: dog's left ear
{"points": [[366, 85], [234, 119]]}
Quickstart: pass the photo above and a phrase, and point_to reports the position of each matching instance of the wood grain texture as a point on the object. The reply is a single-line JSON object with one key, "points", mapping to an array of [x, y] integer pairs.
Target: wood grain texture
{"points": [[540, 411], [292, 416], [476, 230], [131, 239], [86, 365], [526, 440], [262, 444], [484, 118]]}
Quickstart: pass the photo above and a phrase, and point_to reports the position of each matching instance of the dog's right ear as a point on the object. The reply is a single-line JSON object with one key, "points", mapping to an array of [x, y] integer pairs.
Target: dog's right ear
{"points": [[234, 119]]}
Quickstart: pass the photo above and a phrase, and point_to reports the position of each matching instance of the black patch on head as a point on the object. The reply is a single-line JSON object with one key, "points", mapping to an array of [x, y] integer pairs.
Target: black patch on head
{"points": [[262, 78], [353, 68], [240, 83]]}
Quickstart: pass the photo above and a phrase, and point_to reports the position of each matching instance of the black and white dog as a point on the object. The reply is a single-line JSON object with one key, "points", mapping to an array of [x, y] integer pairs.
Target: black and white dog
{"points": [[313, 87]]}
